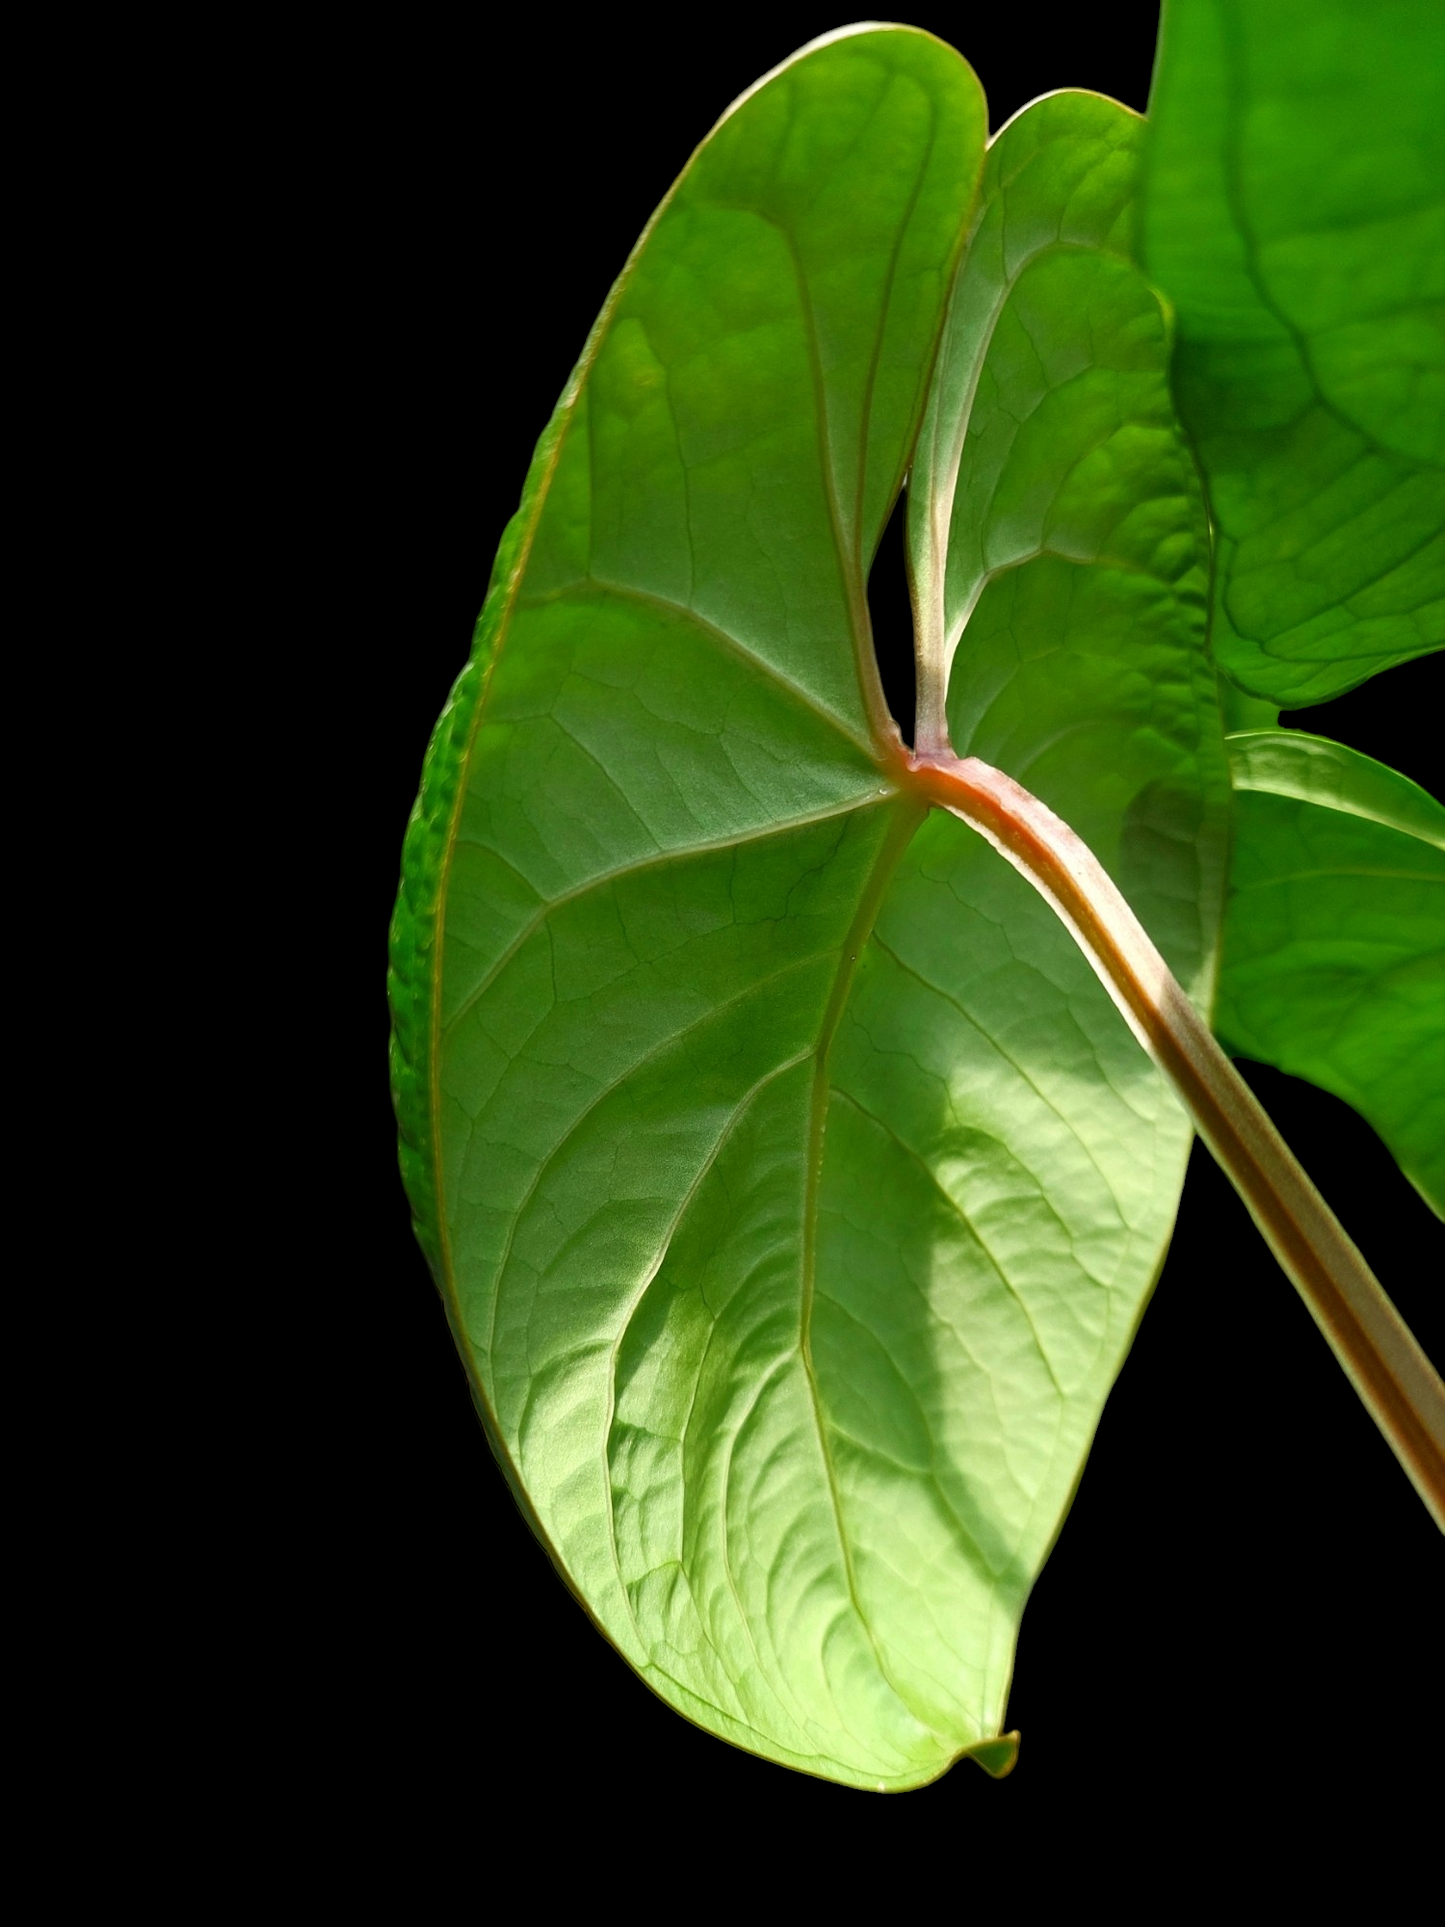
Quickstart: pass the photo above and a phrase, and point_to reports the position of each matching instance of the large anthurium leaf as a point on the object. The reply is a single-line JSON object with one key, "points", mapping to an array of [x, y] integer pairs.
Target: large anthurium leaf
{"points": [[1052, 474], [792, 1184], [654, 826], [1334, 948], [1295, 215], [1061, 192]]}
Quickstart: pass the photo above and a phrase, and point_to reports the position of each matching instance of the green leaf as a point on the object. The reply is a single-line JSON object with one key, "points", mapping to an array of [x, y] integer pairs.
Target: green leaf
{"points": [[1295, 216], [653, 832], [1052, 474], [1062, 177], [1334, 950], [793, 1186]]}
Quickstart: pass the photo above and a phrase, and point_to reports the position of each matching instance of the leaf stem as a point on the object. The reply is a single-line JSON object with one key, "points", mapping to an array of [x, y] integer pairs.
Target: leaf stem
{"points": [[1397, 1383]]}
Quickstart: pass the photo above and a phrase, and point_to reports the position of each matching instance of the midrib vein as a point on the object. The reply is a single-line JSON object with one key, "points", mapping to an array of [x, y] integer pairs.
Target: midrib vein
{"points": [[943, 488], [649, 598], [640, 1291], [655, 859], [894, 844], [1234, 194], [870, 385]]}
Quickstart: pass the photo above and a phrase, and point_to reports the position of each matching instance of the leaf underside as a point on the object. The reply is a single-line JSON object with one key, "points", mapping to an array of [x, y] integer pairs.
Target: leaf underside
{"points": [[793, 1187]]}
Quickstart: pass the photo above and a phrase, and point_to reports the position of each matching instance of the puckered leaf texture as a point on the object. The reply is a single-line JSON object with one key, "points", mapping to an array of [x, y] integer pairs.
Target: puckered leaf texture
{"points": [[792, 1185], [1334, 951]]}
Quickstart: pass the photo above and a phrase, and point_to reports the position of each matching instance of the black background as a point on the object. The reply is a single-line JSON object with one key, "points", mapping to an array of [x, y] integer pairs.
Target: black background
{"points": [[1244, 1604]]}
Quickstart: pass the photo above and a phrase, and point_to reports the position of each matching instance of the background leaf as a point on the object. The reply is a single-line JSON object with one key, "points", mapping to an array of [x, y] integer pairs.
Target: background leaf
{"points": [[1334, 950], [1295, 216]]}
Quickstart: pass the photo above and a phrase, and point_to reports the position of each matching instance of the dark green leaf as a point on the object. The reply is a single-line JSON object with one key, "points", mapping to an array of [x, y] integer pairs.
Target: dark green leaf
{"points": [[1334, 952], [1295, 215]]}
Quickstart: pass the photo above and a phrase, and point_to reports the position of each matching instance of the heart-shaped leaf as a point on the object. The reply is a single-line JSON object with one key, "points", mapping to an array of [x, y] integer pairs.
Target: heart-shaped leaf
{"points": [[793, 1186]]}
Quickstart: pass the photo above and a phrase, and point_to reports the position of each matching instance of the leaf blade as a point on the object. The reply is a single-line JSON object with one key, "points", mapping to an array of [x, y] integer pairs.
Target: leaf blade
{"points": [[1287, 147], [1061, 174], [1334, 952]]}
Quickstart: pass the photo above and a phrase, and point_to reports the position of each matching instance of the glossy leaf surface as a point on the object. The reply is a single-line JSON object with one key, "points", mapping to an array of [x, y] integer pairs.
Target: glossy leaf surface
{"points": [[1334, 951], [1295, 216], [793, 1185]]}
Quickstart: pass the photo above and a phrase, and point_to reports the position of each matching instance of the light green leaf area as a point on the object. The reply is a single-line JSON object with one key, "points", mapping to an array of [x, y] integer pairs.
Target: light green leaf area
{"points": [[1295, 216], [1334, 946], [792, 1184]]}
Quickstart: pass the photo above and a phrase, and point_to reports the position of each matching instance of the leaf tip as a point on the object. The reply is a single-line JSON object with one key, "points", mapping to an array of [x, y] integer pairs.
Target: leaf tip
{"points": [[997, 1757]]}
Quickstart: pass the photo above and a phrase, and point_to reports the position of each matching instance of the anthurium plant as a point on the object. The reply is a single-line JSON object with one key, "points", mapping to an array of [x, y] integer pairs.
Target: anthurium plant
{"points": [[795, 1098]]}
